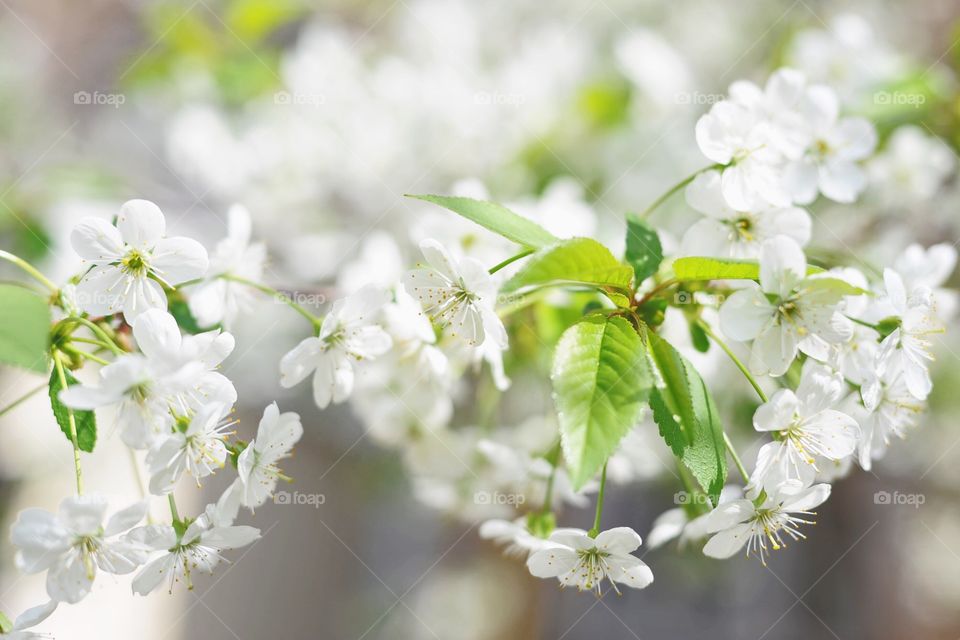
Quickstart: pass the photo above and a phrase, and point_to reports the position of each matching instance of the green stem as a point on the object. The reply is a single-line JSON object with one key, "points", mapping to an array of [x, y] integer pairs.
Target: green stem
{"points": [[90, 356], [72, 421], [314, 320], [30, 269], [736, 459], [596, 518], [680, 185], [743, 369], [97, 343], [510, 260], [97, 331], [173, 507], [13, 405]]}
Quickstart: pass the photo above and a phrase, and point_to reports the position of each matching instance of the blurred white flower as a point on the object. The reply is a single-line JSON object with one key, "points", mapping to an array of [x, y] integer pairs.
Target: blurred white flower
{"points": [[219, 301], [514, 536], [257, 464], [912, 166], [737, 136], [30, 618], [576, 559], [347, 335], [130, 261], [73, 544], [889, 410], [831, 163], [907, 348]]}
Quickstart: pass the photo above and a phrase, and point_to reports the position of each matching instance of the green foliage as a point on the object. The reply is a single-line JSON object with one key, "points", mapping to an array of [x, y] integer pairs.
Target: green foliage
{"points": [[24, 328], [687, 417], [605, 104], [580, 261], [496, 218], [601, 378], [644, 251], [86, 421], [697, 268]]}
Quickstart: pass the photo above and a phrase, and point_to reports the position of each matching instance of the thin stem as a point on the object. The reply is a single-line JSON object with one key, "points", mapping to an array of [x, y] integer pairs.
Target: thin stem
{"points": [[864, 323], [90, 356], [314, 320], [510, 260], [173, 507], [596, 518], [743, 369], [666, 284], [97, 343], [71, 420], [97, 330], [680, 185], [29, 394], [736, 459], [30, 269]]}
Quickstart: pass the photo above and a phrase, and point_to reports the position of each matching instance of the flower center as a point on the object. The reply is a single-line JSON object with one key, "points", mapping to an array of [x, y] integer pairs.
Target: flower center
{"points": [[135, 263]]}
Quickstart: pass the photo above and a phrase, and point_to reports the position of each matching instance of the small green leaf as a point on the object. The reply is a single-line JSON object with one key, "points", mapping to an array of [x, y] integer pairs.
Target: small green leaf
{"points": [[697, 268], [833, 285], [601, 378], [699, 338], [496, 218], [5, 625], [86, 421], [644, 251], [687, 417], [24, 328], [578, 261]]}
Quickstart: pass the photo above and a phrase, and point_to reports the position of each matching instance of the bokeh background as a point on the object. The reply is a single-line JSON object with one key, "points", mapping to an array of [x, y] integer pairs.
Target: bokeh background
{"points": [[319, 116]]}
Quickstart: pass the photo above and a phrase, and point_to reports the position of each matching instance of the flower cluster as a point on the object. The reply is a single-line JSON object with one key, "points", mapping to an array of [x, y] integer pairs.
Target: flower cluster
{"points": [[172, 405]]}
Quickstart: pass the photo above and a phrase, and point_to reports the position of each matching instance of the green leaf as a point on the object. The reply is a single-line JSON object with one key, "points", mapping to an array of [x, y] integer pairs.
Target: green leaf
{"points": [[86, 421], [699, 338], [601, 378], [24, 328], [644, 251], [5, 625], [496, 218], [697, 268], [577, 261], [687, 417], [833, 285]]}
